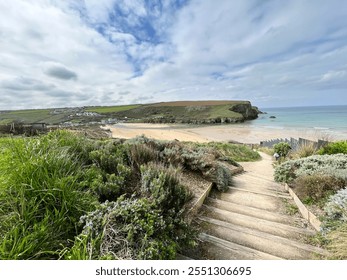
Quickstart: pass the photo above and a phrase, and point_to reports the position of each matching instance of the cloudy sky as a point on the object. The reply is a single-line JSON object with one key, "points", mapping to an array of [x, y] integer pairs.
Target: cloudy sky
{"points": [[56, 53]]}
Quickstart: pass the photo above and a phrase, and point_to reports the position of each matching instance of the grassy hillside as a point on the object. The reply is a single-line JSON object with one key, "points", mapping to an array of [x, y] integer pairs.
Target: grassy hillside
{"points": [[164, 112], [189, 112], [111, 109]]}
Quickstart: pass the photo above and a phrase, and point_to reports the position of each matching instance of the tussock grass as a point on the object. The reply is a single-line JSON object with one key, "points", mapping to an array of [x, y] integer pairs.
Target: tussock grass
{"points": [[338, 242], [39, 199], [304, 150]]}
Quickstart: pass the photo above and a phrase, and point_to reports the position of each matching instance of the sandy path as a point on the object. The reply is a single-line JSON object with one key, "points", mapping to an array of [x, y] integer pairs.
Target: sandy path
{"points": [[233, 132]]}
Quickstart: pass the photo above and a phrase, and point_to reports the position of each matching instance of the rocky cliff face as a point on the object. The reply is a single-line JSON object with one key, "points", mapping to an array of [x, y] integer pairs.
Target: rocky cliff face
{"points": [[248, 111]]}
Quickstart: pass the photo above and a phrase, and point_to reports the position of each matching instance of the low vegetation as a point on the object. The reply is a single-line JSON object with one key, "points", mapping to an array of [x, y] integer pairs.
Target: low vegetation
{"points": [[165, 112], [282, 149], [321, 180], [111, 109], [64, 196], [339, 147]]}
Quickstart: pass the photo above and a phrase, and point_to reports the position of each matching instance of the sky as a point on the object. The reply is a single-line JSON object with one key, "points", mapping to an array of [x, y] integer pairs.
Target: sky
{"points": [[274, 53]]}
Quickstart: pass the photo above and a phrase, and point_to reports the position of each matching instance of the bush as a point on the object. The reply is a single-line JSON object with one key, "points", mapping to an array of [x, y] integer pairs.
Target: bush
{"points": [[339, 147], [282, 149], [316, 187], [220, 175], [162, 186], [336, 208], [141, 154], [332, 165], [131, 229]]}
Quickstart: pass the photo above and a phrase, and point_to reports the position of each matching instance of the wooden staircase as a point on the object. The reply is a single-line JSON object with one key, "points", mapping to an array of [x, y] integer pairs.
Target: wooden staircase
{"points": [[249, 222]]}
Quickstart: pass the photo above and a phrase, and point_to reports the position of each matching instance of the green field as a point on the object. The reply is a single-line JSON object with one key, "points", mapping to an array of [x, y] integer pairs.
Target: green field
{"points": [[111, 109], [164, 112]]}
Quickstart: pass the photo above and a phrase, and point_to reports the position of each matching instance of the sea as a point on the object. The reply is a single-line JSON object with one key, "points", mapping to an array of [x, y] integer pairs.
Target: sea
{"points": [[328, 119]]}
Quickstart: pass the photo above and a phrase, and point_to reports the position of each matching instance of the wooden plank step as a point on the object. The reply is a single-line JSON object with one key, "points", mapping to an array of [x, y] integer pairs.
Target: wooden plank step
{"points": [[262, 241], [229, 250]]}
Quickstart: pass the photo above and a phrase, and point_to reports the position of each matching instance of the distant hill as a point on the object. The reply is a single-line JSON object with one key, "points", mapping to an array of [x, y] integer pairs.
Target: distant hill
{"points": [[197, 112]]}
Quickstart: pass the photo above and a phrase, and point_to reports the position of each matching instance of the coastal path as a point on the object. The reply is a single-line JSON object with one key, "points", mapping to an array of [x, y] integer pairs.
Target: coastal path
{"points": [[251, 220]]}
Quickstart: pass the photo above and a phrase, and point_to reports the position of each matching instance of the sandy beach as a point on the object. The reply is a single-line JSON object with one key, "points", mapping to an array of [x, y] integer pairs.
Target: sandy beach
{"points": [[242, 133]]}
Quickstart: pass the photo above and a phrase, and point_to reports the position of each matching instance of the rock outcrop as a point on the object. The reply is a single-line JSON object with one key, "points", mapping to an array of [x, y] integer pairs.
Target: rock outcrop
{"points": [[248, 111]]}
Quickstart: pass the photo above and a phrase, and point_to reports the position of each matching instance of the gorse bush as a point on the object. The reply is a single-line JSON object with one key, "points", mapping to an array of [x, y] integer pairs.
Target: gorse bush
{"points": [[332, 165], [339, 147]]}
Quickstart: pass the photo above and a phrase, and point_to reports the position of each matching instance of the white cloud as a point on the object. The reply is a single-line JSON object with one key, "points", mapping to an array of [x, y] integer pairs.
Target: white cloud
{"points": [[90, 52]]}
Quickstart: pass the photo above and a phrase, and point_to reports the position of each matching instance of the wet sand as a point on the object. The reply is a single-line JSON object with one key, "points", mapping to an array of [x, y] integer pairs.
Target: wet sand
{"points": [[242, 133]]}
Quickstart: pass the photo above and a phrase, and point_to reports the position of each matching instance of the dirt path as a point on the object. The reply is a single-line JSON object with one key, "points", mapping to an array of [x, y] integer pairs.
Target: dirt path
{"points": [[249, 221]]}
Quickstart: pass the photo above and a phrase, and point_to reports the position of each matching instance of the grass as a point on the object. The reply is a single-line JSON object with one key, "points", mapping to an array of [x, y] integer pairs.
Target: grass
{"points": [[111, 109], [168, 112], [338, 242], [183, 111], [291, 208], [305, 150], [222, 111], [32, 116], [234, 152], [40, 201], [69, 197]]}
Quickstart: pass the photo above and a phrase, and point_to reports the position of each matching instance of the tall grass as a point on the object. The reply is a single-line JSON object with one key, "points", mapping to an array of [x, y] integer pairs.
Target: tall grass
{"points": [[39, 199], [234, 152], [305, 150], [338, 242]]}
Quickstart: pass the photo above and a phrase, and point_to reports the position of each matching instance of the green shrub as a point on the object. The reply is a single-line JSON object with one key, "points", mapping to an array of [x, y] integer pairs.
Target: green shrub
{"points": [[131, 229], [141, 154], [316, 187], [332, 165], [339, 147], [336, 210], [282, 149], [162, 186]]}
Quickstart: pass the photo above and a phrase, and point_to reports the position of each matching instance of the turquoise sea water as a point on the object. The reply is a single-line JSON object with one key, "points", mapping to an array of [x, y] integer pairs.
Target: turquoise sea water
{"points": [[325, 118]]}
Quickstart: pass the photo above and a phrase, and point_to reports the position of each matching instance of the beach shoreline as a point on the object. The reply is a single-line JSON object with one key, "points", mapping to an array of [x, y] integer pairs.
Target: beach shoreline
{"points": [[242, 133]]}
